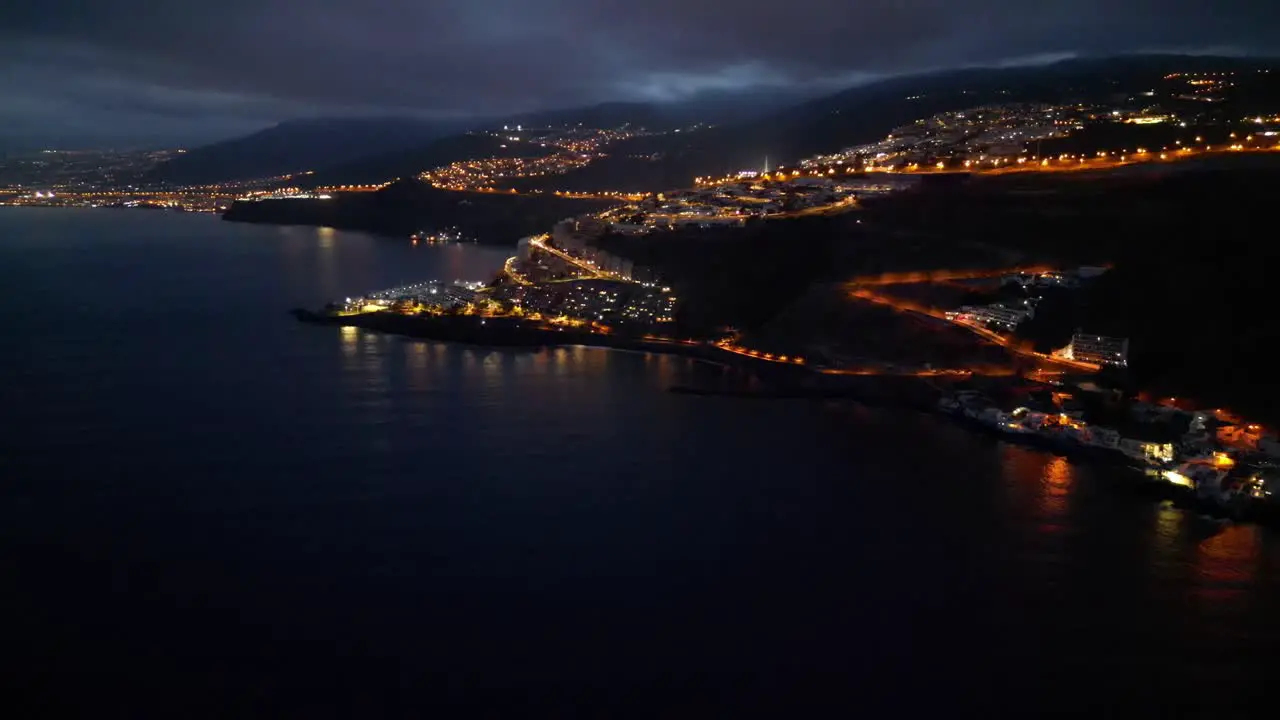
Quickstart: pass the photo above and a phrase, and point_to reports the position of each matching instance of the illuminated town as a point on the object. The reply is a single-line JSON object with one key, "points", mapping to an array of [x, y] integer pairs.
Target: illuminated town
{"points": [[559, 283], [553, 152], [565, 284], [986, 139], [1004, 138]]}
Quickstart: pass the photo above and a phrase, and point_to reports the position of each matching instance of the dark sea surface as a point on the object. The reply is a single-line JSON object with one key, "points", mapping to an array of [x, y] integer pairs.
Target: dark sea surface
{"points": [[210, 510]]}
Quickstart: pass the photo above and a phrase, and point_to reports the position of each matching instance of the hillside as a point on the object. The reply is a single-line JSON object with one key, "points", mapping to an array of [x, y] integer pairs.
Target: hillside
{"points": [[296, 146], [866, 113], [745, 127], [1190, 286], [372, 150], [408, 162]]}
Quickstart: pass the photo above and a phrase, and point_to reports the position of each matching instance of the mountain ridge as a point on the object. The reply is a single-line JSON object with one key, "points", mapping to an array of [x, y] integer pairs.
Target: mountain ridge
{"points": [[749, 128]]}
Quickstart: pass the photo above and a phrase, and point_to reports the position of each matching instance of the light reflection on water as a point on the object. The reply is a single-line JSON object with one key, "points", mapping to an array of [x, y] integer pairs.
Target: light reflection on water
{"points": [[350, 342], [1057, 480], [1225, 565], [418, 361]]}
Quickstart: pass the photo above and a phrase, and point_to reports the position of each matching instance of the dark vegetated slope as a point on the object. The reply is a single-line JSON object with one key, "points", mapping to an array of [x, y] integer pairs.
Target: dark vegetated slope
{"points": [[409, 163], [1198, 299], [1193, 279], [827, 322], [739, 277], [406, 161]]}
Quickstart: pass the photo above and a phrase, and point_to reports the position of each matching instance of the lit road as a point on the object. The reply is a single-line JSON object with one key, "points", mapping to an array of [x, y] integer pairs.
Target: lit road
{"points": [[1078, 162], [931, 276], [849, 203], [509, 267], [758, 355], [982, 332], [540, 242]]}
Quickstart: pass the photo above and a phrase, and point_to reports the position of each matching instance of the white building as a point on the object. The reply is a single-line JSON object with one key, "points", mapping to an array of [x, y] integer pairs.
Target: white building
{"points": [[1097, 349]]}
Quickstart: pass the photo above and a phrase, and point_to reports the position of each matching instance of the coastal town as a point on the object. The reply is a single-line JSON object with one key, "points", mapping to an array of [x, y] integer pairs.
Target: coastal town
{"points": [[564, 286], [1212, 460], [545, 151], [581, 280], [1178, 117]]}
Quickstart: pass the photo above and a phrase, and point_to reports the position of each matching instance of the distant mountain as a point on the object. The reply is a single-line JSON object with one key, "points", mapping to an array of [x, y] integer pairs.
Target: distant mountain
{"points": [[297, 146], [749, 126], [361, 150]]}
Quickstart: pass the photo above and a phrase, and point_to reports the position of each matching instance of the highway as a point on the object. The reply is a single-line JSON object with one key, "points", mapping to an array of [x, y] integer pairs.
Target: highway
{"points": [[849, 203], [540, 242], [1079, 162], [930, 276], [906, 306], [509, 267], [758, 355]]}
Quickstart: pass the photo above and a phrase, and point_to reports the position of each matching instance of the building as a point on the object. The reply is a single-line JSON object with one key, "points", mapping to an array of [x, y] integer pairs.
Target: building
{"points": [[1097, 349]]}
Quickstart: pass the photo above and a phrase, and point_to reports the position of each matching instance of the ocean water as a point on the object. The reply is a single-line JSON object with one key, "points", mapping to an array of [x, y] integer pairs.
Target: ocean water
{"points": [[208, 509]]}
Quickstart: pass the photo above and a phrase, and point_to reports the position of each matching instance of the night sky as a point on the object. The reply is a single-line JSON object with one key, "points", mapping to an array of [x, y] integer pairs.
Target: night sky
{"points": [[103, 70]]}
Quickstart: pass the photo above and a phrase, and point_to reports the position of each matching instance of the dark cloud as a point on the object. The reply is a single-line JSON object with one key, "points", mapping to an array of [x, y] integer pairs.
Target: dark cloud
{"points": [[230, 65]]}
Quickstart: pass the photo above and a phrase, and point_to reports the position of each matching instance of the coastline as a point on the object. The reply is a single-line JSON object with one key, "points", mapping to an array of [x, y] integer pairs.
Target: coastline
{"points": [[760, 379], [514, 333]]}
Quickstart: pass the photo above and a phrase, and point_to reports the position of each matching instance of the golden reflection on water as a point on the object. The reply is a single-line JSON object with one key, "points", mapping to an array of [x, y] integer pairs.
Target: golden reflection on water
{"points": [[663, 369], [1226, 563], [418, 361], [364, 370], [1056, 482], [492, 368], [559, 361], [350, 337], [1038, 485], [326, 258], [1021, 468]]}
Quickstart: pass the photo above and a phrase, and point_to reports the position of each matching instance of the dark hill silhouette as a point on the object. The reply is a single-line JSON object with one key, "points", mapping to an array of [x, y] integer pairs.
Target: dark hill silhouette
{"points": [[361, 150], [408, 162], [747, 125], [297, 146]]}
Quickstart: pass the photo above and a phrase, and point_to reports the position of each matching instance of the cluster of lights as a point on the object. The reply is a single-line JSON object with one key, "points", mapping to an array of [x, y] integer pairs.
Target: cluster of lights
{"points": [[572, 151], [729, 346]]}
